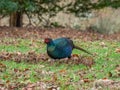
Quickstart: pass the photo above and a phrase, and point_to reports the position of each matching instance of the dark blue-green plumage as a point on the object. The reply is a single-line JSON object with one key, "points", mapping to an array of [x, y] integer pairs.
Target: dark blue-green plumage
{"points": [[60, 48]]}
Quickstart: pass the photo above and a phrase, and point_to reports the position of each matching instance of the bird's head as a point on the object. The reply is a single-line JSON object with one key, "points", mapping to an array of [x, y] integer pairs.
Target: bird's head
{"points": [[47, 40]]}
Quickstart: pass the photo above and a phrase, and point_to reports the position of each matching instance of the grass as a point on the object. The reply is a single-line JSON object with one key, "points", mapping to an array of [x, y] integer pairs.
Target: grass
{"points": [[61, 74]]}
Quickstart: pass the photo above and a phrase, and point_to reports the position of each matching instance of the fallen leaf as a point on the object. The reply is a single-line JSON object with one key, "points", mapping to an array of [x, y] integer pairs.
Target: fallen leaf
{"points": [[62, 71], [86, 80], [117, 50]]}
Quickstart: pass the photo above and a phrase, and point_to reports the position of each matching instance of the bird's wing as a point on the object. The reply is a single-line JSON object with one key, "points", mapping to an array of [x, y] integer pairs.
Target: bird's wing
{"points": [[62, 42]]}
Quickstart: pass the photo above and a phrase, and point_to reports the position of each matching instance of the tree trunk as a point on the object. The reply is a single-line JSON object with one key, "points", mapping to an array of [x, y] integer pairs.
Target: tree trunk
{"points": [[16, 19]]}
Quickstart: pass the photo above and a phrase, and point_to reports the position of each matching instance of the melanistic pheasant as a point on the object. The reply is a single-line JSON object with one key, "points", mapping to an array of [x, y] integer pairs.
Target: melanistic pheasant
{"points": [[61, 47]]}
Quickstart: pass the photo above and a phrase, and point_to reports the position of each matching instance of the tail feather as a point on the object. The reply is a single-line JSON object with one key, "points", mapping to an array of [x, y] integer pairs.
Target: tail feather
{"points": [[79, 48]]}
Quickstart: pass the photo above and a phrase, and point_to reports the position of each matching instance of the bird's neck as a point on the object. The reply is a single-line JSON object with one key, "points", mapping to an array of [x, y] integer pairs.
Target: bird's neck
{"points": [[50, 47]]}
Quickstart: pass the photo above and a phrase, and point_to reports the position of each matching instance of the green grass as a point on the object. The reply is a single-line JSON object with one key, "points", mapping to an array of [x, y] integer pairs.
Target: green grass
{"points": [[106, 61], [21, 45]]}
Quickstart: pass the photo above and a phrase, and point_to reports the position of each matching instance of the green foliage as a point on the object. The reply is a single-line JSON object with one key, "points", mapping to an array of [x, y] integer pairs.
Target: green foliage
{"points": [[7, 6], [53, 6], [29, 6], [108, 3], [81, 7]]}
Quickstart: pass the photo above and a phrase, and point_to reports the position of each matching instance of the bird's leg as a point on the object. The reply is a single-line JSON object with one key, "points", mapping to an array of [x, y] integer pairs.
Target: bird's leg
{"points": [[66, 60], [69, 57], [52, 61]]}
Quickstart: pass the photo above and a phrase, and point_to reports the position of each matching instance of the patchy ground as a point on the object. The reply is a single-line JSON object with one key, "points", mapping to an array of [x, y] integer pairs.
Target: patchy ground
{"points": [[33, 32], [25, 65]]}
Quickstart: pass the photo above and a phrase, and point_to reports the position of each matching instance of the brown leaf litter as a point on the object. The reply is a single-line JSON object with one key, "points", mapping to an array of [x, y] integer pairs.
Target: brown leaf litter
{"points": [[36, 32], [33, 57], [106, 84]]}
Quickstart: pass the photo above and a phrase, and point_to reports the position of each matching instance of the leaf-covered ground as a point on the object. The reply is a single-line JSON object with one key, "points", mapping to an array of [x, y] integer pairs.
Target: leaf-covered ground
{"points": [[25, 65]]}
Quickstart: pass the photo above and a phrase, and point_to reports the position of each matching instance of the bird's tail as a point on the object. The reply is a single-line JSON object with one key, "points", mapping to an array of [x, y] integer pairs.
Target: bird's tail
{"points": [[79, 48]]}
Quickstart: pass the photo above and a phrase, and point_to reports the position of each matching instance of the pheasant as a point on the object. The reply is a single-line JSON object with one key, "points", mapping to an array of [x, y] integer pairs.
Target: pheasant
{"points": [[61, 47]]}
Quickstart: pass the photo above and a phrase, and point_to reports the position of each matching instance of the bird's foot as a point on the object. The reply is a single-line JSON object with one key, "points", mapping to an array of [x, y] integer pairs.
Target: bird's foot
{"points": [[49, 60], [52, 61]]}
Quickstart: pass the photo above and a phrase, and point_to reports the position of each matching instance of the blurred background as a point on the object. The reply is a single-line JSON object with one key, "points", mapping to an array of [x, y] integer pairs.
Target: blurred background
{"points": [[98, 15]]}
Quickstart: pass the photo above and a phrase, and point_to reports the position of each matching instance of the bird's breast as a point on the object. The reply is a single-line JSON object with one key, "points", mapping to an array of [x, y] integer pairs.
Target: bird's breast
{"points": [[51, 48]]}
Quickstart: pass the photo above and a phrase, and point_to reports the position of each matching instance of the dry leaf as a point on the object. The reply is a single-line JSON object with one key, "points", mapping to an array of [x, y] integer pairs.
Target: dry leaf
{"points": [[86, 80], [62, 71], [103, 44], [117, 50]]}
